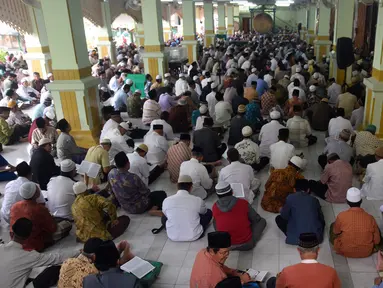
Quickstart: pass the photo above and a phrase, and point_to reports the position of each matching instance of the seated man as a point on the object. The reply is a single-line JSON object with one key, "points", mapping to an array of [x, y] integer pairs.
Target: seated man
{"points": [[113, 122], [185, 216], [11, 191], [210, 141], [43, 164], [179, 117], [354, 232], [74, 270], [338, 146], [282, 151], [249, 150], [141, 168], [202, 183], [373, 180], [132, 194], [237, 123], [47, 230], [8, 135], [95, 216], [17, 264], [336, 125], [120, 141], [366, 143], [269, 134], [237, 172], [209, 265], [99, 155], [60, 191], [280, 184], [168, 130], [335, 180], [301, 213], [223, 112], [157, 146], [309, 270], [300, 131], [238, 218], [44, 130], [177, 154], [18, 119], [110, 276]]}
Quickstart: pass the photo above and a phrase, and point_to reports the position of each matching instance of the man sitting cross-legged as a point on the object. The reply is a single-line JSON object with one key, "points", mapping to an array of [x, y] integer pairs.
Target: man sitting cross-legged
{"points": [[237, 217]]}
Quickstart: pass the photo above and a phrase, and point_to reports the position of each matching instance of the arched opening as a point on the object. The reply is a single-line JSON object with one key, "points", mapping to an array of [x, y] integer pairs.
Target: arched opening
{"points": [[123, 27]]}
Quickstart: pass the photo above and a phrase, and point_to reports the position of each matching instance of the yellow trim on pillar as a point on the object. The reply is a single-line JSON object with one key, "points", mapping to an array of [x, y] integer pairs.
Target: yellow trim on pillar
{"points": [[153, 66], [104, 51], [209, 32], [105, 38], [154, 48], [377, 74], [189, 37], [36, 66], [49, 65], [310, 31], [72, 74], [334, 47], [372, 110], [381, 125], [190, 52], [140, 32], [85, 138], [70, 109], [222, 28], [368, 108], [230, 26], [340, 76], [322, 37], [208, 41], [322, 51], [142, 41], [43, 49]]}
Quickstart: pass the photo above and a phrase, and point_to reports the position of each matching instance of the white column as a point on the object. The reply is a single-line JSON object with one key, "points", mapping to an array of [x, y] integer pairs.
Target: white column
{"points": [[311, 24], [322, 41], [230, 19], [221, 18], [188, 11], [209, 22], [105, 43]]}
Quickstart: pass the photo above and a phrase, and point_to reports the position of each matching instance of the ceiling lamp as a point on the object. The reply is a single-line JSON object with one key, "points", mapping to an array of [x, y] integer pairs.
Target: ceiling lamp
{"points": [[284, 3]]}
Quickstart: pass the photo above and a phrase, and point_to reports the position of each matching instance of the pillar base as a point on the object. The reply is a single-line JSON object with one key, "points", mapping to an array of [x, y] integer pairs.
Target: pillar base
{"points": [[230, 30], [322, 47], [155, 63], [209, 40], [191, 46], [39, 62], [373, 108], [78, 102]]}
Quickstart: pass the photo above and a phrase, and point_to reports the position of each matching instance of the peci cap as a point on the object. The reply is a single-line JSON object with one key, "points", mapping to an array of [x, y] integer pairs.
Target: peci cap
{"points": [[185, 179], [129, 82], [143, 147], [274, 115], [298, 69], [67, 165], [316, 75], [158, 127], [203, 109], [125, 125], [222, 188], [324, 99], [371, 128], [312, 88], [44, 141], [345, 134], [353, 195], [185, 136], [27, 190], [105, 141], [79, 188], [247, 131], [182, 102], [181, 75], [297, 161], [167, 75], [158, 77], [213, 85], [241, 108], [308, 240]]}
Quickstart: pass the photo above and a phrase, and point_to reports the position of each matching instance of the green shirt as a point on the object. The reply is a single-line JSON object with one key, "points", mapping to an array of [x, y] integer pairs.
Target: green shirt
{"points": [[5, 131]]}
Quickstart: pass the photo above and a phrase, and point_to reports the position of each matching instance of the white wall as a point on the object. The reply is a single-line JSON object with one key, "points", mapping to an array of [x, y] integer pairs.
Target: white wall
{"points": [[284, 14]]}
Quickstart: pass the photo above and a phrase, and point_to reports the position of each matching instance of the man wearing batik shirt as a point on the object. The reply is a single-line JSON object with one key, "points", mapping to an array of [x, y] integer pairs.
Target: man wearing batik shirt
{"points": [[177, 154], [268, 101]]}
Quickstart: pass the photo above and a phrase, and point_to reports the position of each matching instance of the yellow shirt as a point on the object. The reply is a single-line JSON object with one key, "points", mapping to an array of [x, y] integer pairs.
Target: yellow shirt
{"points": [[98, 155], [5, 131]]}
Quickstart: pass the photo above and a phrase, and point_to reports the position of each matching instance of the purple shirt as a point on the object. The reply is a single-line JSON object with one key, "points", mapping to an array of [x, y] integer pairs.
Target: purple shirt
{"points": [[166, 102]]}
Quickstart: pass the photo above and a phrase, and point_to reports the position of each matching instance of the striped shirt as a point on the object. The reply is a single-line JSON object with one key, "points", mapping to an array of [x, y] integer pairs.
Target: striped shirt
{"points": [[177, 154], [151, 110]]}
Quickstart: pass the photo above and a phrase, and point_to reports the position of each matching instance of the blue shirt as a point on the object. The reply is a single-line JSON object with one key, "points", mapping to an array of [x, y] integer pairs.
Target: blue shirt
{"points": [[378, 286], [262, 87], [120, 99], [253, 113], [304, 215], [112, 278], [39, 111]]}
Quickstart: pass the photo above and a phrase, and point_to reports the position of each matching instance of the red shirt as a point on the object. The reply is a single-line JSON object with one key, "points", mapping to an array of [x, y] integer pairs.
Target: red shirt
{"points": [[236, 222], [43, 223]]}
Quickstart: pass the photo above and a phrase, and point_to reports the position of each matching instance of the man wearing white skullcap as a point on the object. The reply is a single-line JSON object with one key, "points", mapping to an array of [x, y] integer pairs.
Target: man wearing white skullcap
{"points": [[237, 217], [203, 110], [89, 211], [46, 229], [181, 85], [354, 233], [300, 77], [158, 83], [269, 134], [120, 140], [25, 91], [60, 191]]}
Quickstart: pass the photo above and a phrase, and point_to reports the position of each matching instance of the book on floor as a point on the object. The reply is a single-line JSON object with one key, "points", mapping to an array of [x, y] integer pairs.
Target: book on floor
{"points": [[138, 267], [256, 275], [89, 168]]}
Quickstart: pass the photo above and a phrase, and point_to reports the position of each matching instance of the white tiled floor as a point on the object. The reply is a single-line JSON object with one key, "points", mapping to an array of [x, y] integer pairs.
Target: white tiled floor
{"points": [[271, 253]]}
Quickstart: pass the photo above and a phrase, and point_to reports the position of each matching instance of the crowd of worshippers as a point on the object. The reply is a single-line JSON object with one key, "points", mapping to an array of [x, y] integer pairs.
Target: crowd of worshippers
{"points": [[267, 96]]}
